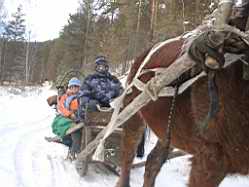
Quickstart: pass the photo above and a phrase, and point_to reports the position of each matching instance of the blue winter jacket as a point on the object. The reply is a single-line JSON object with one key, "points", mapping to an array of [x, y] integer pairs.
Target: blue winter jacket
{"points": [[98, 88]]}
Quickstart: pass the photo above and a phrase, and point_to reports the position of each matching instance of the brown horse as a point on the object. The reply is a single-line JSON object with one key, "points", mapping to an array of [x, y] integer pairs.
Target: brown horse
{"points": [[223, 148]]}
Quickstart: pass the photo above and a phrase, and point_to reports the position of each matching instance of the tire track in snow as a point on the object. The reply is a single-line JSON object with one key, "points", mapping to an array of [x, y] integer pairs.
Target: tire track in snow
{"points": [[13, 130], [53, 177], [10, 139], [36, 167], [63, 173], [23, 158], [17, 124], [25, 145]]}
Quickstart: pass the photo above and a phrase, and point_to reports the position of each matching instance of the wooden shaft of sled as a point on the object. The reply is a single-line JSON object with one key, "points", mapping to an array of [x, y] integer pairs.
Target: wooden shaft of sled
{"points": [[170, 74]]}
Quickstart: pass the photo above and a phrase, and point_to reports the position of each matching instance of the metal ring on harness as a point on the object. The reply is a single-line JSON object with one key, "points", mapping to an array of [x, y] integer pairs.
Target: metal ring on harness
{"points": [[104, 109]]}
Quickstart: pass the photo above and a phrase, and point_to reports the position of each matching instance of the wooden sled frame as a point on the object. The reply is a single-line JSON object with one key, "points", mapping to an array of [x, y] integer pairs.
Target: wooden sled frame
{"points": [[89, 130]]}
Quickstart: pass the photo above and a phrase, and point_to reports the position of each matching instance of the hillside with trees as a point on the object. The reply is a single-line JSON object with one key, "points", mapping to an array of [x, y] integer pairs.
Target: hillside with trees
{"points": [[118, 29]]}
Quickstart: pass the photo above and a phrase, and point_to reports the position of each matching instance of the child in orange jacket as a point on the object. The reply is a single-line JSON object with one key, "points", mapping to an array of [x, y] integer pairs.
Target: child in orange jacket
{"points": [[67, 107], [68, 103]]}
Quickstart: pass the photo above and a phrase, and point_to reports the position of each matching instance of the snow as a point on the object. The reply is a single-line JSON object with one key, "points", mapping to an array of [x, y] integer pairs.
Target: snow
{"points": [[27, 160]]}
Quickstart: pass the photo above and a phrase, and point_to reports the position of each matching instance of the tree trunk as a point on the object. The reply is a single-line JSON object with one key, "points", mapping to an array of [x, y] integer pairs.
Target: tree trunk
{"points": [[152, 18], [138, 25], [197, 12], [2, 59]]}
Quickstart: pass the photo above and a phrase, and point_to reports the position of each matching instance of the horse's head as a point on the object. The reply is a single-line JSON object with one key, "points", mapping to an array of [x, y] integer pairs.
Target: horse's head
{"points": [[214, 44], [208, 50]]}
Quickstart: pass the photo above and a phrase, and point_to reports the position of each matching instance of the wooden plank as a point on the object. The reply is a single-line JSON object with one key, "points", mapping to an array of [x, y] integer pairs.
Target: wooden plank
{"points": [[75, 128], [98, 118], [94, 118], [94, 128], [82, 165], [99, 128]]}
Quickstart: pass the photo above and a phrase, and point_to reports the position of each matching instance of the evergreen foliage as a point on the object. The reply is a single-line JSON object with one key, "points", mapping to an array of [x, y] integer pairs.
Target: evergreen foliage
{"points": [[13, 52], [2, 16], [118, 29], [15, 29]]}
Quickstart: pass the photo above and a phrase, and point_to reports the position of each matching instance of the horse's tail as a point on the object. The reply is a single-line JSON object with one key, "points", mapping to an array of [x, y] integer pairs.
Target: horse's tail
{"points": [[141, 145]]}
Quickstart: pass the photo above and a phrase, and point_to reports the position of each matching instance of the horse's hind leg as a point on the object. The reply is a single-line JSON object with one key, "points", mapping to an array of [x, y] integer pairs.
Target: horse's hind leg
{"points": [[208, 168], [132, 133], [155, 160]]}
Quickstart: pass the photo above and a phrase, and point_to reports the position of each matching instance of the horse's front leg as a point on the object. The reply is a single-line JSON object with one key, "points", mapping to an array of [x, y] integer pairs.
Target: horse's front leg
{"points": [[155, 160], [132, 133]]}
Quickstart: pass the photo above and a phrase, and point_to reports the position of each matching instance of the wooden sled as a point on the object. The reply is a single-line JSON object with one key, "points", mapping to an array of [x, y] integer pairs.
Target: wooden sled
{"points": [[94, 123]]}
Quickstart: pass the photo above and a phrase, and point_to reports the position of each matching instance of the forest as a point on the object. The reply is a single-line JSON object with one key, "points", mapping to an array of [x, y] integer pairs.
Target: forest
{"points": [[118, 29]]}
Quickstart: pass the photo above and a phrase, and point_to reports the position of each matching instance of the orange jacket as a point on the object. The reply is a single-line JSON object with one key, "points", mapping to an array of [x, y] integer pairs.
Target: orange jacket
{"points": [[63, 110]]}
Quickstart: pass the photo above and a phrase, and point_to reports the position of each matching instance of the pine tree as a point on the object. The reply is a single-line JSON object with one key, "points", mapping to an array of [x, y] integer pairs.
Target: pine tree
{"points": [[2, 16], [15, 50], [15, 29], [77, 35]]}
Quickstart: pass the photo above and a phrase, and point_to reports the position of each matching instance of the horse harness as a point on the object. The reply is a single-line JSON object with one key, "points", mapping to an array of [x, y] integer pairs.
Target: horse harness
{"points": [[178, 86], [153, 89]]}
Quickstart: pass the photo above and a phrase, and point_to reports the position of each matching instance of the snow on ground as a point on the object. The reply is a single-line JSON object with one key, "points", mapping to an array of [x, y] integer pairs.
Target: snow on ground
{"points": [[27, 160]]}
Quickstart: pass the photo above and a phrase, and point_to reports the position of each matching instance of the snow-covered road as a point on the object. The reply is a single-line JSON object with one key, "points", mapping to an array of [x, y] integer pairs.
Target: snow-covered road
{"points": [[27, 160]]}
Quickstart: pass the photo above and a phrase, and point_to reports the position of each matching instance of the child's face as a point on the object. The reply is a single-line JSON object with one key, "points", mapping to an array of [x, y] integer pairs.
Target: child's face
{"points": [[102, 68], [74, 89]]}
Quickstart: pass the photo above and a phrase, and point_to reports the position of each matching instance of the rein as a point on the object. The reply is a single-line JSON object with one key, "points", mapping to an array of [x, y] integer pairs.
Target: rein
{"points": [[170, 123], [214, 100]]}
